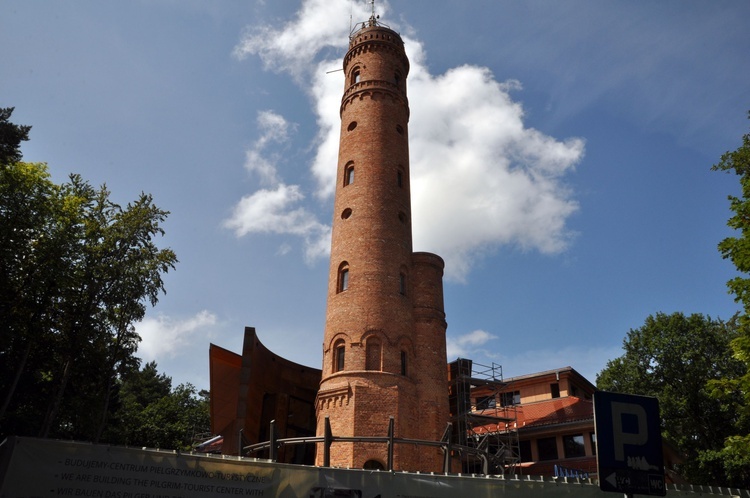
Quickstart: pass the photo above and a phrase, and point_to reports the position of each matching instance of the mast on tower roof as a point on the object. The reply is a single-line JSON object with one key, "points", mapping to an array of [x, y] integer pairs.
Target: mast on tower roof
{"points": [[372, 22], [373, 18]]}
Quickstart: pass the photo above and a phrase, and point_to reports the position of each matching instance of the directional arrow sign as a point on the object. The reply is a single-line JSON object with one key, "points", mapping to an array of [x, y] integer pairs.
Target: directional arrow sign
{"points": [[628, 439], [612, 479]]}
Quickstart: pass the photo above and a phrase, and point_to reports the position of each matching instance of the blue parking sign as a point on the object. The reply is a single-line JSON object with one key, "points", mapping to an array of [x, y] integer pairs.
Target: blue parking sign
{"points": [[629, 448]]}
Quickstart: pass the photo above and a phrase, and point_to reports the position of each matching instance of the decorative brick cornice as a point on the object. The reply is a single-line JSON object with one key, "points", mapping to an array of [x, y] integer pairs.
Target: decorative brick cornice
{"points": [[338, 396], [368, 88]]}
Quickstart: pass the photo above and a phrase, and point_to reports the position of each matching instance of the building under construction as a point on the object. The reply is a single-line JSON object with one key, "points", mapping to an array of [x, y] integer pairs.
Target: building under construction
{"points": [[482, 418]]}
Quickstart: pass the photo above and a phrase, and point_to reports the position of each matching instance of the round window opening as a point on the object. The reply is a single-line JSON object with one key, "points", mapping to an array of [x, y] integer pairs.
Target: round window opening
{"points": [[402, 217], [351, 126], [400, 129], [346, 213]]}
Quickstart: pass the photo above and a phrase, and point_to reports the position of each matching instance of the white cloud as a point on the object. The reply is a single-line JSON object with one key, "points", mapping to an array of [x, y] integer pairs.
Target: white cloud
{"points": [[165, 337], [276, 209], [480, 178], [465, 346], [293, 48], [326, 97], [478, 174], [274, 128], [264, 168]]}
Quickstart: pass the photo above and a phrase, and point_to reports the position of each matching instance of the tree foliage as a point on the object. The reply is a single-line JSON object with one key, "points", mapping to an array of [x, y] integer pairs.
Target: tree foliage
{"points": [[77, 270], [736, 451], [673, 357], [11, 136], [153, 414]]}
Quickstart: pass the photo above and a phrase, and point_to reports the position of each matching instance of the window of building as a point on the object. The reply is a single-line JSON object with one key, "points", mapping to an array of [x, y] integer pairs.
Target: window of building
{"points": [[524, 448], [355, 76], [397, 79], [403, 362], [339, 351], [343, 282], [402, 283], [485, 403], [351, 126], [346, 213], [573, 446], [344, 279], [400, 179], [510, 398], [372, 354], [547, 448], [400, 129], [349, 174], [555, 389]]}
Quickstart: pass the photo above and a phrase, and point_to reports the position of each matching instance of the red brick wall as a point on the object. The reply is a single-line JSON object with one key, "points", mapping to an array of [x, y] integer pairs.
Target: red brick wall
{"points": [[372, 237], [429, 364]]}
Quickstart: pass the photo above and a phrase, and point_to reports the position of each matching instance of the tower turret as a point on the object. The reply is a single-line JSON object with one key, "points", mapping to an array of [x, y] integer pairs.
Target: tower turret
{"points": [[384, 342]]}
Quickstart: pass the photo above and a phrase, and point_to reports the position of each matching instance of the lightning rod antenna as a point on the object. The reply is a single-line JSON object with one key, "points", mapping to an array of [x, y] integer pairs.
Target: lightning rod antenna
{"points": [[373, 18]]}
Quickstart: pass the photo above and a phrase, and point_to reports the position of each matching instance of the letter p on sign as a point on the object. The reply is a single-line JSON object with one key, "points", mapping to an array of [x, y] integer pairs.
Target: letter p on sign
{"points": [[629, 453], [629, 426]]}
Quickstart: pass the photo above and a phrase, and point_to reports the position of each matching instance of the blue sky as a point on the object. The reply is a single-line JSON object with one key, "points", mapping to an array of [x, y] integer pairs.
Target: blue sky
{"points": [[560, 156]]}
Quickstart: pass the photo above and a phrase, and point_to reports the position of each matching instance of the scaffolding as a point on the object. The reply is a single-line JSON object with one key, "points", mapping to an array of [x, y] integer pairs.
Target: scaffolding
{"points": [[484, 416]]}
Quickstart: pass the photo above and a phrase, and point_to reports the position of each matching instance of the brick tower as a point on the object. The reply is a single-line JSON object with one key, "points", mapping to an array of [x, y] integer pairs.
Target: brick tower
{"points": [[384, 345]]}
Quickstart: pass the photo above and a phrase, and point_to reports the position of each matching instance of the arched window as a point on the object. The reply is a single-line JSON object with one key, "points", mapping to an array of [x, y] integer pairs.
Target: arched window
{"points": [[373, 465], [343, 280], [404, 357], [372, 354], [348, 174], [355, 76], [402, 283], [339, 351]]}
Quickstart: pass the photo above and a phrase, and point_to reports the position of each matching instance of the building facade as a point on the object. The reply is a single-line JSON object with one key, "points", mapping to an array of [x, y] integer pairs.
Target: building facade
{"points": [[384, 340], [251, 389], [541, 423], [555, 417]]}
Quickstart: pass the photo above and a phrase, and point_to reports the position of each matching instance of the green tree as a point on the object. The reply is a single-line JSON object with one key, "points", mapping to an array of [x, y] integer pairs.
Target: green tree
{"points": [[736, 450], [145, 386], [35, 241], [77, 271], [11, 136], [173, 421], [153, 414], [673, 357]]}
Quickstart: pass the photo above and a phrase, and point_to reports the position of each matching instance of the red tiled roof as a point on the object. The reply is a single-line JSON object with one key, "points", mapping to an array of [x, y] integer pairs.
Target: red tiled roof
{"points": [[540, 413], [555, 411]]}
